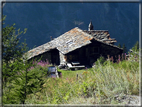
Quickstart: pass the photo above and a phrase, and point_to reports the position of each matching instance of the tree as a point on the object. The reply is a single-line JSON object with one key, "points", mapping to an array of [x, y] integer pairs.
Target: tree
{"points": [[12, 50], [136, 47], [26, 81], [124, 48], [119, 45], [18, 82]]}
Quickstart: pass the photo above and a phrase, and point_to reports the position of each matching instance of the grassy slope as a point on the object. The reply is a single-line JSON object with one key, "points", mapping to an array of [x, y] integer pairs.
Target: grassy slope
{"points": [[97, 85]]}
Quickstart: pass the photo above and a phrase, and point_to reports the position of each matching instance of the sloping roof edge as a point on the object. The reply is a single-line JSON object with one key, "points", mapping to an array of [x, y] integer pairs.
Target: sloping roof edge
{"points": [[108, 44]]}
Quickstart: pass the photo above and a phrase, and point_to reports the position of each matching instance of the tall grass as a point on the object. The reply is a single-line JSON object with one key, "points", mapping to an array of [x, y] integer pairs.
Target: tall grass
{"points": [[97, 85], [114, 80]]}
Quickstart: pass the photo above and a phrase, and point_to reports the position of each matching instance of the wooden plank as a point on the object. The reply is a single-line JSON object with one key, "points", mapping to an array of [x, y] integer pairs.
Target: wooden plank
{"points": [[70, 66]]}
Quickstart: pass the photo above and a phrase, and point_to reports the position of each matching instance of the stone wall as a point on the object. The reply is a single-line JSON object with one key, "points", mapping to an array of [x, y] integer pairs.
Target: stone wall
{"points": [[62, 59]]}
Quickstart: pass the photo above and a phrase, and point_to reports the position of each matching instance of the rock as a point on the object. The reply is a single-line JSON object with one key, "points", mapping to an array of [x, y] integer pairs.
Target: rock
{"points": [[128, 99]]}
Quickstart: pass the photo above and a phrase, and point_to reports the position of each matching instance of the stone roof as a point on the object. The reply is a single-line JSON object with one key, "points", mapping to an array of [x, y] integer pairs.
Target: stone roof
{"points": [[101, 35], [71, 40], [41, 49], [65, 43]]}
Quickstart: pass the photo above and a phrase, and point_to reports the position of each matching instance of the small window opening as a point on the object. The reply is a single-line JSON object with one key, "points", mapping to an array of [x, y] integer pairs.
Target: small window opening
{"points": [[69, 42]]}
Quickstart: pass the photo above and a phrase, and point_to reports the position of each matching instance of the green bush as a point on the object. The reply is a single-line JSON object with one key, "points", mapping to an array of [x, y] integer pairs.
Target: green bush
{"points": [[23, 84], [100, 61]]}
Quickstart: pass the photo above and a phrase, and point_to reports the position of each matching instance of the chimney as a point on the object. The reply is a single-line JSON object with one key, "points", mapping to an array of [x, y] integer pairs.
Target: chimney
{"points": [[90, 27]]}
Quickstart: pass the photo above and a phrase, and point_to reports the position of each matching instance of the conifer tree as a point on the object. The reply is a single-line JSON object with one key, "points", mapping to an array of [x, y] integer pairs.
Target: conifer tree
{"points": [[12, 50], [18, 82], [124, 48], [136, 46], [119, 45]]}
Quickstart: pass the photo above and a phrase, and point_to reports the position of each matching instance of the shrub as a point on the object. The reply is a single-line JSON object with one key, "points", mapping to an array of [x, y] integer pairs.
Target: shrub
{"points": [[23, 84], [100, 60]]}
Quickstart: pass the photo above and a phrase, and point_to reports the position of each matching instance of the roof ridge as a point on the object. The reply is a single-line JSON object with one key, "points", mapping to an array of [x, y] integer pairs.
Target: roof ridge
{"points": [[95, 30], [83, 31]]}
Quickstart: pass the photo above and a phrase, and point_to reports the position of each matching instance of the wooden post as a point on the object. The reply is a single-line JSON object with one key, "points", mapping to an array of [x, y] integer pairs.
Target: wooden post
{"points": [[57, 73], [76, 76], [112, 59]]}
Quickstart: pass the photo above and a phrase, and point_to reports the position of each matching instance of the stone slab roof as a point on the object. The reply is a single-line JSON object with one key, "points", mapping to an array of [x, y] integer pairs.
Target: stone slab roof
{"points": [[41, 49], [65, 43], [72, 40], [101, 35]]}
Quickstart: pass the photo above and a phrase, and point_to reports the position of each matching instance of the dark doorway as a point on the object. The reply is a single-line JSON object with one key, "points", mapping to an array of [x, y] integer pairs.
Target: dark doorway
{"points": [[55, 57]]}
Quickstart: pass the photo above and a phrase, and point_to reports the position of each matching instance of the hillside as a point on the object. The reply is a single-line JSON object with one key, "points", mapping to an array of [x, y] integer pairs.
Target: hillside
{"points": [[53, 19]]}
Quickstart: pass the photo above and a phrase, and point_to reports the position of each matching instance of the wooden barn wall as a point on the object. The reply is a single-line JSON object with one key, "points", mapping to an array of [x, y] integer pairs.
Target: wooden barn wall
{"points": [[52, 56], [72, 56], [43, 57], [85, 55], [111, 51], [90, 53]]}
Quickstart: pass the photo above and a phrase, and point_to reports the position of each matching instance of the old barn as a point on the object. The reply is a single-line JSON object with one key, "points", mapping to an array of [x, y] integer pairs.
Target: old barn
{"points": [[83, 46]]}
